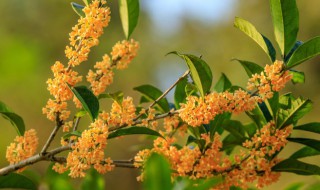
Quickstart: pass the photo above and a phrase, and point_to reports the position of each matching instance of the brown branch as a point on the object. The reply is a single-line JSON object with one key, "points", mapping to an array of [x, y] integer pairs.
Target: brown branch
{"points": [[59, 123]]}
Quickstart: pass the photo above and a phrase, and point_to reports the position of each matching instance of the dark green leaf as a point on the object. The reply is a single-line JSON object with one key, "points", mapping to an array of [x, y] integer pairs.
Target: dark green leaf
{"points": [[229, 143], [250, 67], [251, 129], [257, 117], [152, 93], [235, 128], [273, 104], [16, 181], [88, 100], [298, 108], [157, 173], [73, 133], [297, 77], [200, 72], [252, 32], [311, 127], [304, 52], [266, 113], [133, 131], [129, 14], [285, 16], [93, 180], [295, 186], [16, 121], [305, 152], [78, 9], [190, 89], [297, 167], [216, 124], [223, 83], [308, 142], [200, 142], [180, 93], [296, 45]]}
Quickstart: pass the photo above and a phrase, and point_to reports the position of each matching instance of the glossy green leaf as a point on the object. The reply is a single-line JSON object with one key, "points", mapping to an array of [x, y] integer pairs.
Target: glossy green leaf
{"points": [[133, 131], [129, 14], [180, 93], [235, 128], [152, 93], [88, 100], [305, 152], [285, 16], [308, 142], [16, 121], [216, 124], [223, 83], [200, 72], [297, 167], [16, 181], [298, 108], [297, 77], [157, 173], [273, 104], [93, 180], [304, 52], [252, 32], [311, 127], [78, 9], [73, 133], [250, 67], [295, 186]]}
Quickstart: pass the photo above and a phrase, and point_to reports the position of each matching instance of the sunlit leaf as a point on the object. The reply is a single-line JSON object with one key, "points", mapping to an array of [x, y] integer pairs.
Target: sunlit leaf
{"points": [[129, 14], [297, 167], [78, 9], [305, 152], [285, 16], [252, 32], [133, 131], [251, 129], [16, 181], [304, 52], [297, 77]]}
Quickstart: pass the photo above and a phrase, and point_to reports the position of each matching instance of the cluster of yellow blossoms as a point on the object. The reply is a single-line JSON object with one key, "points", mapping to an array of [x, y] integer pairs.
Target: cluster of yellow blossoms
{"points": [[245, 167], [24, 147], [198, 110]]}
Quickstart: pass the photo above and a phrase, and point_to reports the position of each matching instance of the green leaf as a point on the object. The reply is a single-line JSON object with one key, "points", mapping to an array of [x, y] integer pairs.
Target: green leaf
{"points": [[295, 186], [215, 125], [117, 96], [297, 167], [252, 32], [129, 14], [93, 180], [87, 2], [152, 93], [313, 186], [251, 129], [235, 128], [230, 142], [257, 117], [308, 142], [191, 89], [285, 16], [305, 152], [223, 83], [16, 121], [311, 127], [304, 52], [205, 184], [200, 72], [297, 77], [88, 100], [250, 67], [81, 113], [273, 104], [133, 131], [296, 45], [14, 180], [73, 133], [180, 93], [157, 173], [297, 110], [56, 181], [78, 9]]}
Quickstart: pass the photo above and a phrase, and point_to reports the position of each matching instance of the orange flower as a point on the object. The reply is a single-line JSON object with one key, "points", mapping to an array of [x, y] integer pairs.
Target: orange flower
{"points": [[123, 53], [122, 114]]}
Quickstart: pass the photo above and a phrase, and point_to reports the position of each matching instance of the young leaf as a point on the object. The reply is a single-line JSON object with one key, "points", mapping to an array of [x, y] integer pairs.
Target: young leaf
{"points": [[250, 67], [88, 100], [285, 16], [16, 121], [308, 142], [297, 167], [200, 72], [129, 14], [93, 180], [157, 173], [14, 180], [180, 93], [73, 133], [78, 9], [311, 127], [252, 32], [134, 131], [297, 110], [152, 93], [297, 77], [304, 52], [117, 96], [305, 152], [223, 83]]}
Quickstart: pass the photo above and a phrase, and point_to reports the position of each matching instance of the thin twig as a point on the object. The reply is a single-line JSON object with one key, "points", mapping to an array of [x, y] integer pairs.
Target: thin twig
{"points": [[59, 123]]}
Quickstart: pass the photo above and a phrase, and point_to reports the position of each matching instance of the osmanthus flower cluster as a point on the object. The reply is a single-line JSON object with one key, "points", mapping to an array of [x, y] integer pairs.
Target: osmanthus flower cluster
{"points": [[201, 110], [253, 164]]}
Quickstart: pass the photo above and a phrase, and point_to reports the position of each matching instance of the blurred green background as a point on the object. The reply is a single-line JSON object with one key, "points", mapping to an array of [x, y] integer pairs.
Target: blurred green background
{"points": [[33, 35]]}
